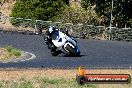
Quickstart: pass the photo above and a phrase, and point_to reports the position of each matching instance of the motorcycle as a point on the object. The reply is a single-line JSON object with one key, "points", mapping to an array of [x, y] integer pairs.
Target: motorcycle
{"points": [[64, 43]]}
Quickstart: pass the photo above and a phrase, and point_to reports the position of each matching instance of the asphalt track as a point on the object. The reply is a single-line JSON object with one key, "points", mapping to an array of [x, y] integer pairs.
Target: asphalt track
{"points": [[94, 53]]}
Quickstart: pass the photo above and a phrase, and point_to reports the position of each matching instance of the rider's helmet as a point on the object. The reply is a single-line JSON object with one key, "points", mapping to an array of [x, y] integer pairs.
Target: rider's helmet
{"points": [[52, 30]]}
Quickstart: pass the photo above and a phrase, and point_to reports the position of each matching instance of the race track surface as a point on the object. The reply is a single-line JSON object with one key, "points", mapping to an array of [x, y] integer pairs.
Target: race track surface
{"points": [[94, 53]]}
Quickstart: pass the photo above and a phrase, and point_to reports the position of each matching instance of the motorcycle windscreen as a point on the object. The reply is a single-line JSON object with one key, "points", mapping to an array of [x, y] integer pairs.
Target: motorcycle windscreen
{"points": [[55, 36]]}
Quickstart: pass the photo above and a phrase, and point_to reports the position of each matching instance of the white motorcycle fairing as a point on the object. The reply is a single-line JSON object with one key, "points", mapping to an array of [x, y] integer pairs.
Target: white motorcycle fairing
{"points": [[60, 41]]}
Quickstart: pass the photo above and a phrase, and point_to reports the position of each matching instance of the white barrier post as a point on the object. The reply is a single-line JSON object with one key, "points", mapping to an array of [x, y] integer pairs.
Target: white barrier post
{"points": [[111, 21]]}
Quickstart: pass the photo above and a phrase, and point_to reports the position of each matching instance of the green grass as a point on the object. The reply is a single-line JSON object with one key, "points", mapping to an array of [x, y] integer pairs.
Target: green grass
{"points": [[43, 82], [16, 84], [48, 82], [13, 50], [62, 83]]}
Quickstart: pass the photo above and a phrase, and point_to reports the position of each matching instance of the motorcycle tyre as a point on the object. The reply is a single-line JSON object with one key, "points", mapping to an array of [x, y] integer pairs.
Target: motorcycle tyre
{"points": [[73, 52]]}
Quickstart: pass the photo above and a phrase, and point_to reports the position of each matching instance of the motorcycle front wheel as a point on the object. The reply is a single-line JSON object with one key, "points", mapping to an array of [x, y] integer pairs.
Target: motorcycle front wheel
{"points": [[72, 51]]}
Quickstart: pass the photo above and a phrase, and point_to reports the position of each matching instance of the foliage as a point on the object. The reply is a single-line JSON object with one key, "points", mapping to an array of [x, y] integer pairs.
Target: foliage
{"points": [[85, 4], [77, 15], [66, 1], [37, 9], [121, 11]]}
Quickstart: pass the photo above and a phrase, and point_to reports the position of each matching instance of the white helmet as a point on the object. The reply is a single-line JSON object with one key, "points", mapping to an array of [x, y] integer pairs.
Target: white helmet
{"points": [[52, 29]]}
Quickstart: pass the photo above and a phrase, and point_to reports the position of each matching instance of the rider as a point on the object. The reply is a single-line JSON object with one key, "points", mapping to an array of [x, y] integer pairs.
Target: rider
{"points": [[51, 30]]}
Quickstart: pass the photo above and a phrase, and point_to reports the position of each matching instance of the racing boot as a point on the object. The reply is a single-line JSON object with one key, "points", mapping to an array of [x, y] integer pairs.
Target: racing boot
{"points": [[54, 51]]}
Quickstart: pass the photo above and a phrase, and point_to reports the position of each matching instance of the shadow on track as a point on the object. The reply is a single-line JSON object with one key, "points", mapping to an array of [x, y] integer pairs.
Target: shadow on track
{"points": [[73, 56]]}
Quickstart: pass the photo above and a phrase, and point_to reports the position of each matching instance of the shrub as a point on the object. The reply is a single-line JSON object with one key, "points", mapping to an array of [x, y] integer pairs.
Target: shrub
{"points": [[37, 9], [77, 15]]}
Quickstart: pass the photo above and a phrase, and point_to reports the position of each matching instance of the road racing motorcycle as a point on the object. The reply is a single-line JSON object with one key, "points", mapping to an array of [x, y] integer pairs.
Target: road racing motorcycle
{"points": [[63, 43]]}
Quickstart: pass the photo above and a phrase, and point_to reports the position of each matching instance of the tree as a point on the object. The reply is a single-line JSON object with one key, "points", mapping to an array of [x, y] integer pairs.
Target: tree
{"points": [[38, 9], [66, 1], [85, 4], [78, 15], [121, 11]]}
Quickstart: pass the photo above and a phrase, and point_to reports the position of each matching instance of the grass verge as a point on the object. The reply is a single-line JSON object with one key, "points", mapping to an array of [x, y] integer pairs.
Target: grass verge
{"points": [[9, 52], [53, 78], [12, 50], [43, 82]]}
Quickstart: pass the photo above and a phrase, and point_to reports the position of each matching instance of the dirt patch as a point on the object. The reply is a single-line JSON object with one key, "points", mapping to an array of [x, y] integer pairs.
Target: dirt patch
{"points": [[5, 9], [6, 6]]}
